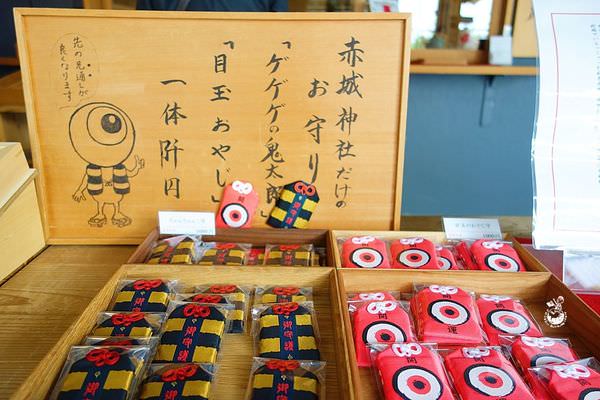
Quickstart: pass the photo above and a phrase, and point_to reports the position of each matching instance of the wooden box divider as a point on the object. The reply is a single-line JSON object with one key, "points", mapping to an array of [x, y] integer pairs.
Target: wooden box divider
{"points": [[235, 358], [534, 289]]}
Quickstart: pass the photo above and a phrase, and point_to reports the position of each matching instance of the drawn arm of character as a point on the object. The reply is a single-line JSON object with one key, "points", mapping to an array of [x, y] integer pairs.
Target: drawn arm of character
{"points": [[79, 193], [140, 163]]}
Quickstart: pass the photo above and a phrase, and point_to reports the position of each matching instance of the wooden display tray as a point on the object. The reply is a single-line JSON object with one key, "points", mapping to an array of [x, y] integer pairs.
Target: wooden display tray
{"points": [[530, 262], [237, 349], [534, 289], [254, 236], [164, 117]]}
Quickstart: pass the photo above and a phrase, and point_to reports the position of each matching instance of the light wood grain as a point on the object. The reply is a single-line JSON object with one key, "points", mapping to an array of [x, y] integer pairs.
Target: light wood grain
{"points": [[43, 299], [534, 289], [112, 39], [237, 350]]}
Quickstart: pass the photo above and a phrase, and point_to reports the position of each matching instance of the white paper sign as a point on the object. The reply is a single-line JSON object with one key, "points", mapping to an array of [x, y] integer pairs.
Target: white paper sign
{"points": [[566, 146], [186, 223], [472, 228]]}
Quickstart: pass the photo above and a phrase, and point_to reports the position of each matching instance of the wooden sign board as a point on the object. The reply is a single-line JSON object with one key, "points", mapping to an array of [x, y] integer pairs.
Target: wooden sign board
{"points": [[134, 112]]}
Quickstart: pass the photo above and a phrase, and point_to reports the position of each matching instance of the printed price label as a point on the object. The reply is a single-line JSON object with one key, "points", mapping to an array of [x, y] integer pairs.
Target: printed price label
{"points": [[472, 228], [186, 223]]}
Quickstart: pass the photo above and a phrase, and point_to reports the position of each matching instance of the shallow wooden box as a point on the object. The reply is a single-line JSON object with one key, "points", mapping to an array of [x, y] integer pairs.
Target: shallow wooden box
{"points": [[254, 236], [534, 289], [237, 349], [530, 262], [21, 232]]}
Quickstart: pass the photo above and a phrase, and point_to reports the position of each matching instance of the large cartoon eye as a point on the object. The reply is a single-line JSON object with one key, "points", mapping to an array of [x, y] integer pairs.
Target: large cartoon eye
{"points": [[590, 394], [366, 258], [542, 359], [508, 321], [383, 332], [449, 312], [501, 262], [234, 215], [489, 380], [444, 263], [106, 126], [413, 258], [416, 383]]}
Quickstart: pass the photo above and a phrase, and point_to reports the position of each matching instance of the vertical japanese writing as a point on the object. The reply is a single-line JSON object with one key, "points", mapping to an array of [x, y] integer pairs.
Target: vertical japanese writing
{"points": [[349, 85], [76, 68], [172, 116], [221, 95], [273, 159]]}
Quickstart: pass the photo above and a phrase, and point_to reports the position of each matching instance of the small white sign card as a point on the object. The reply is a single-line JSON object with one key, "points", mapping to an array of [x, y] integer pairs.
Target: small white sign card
{"points": [[186, 223], [472, 228]]}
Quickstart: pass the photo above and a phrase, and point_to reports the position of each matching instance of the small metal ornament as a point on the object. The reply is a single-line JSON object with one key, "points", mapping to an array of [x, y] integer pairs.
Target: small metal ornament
{"points": [[555, 316]]}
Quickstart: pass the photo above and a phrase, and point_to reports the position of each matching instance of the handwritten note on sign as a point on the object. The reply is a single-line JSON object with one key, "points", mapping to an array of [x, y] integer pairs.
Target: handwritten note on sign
{"points": [[176, 106]]}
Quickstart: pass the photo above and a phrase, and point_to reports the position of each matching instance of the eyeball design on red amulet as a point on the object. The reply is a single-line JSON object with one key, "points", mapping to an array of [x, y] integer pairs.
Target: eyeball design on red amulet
{"points": [[414, 253], [409, 371], [238, 205], [379, 322], [364, 252], [449, 312], [496, 256]]}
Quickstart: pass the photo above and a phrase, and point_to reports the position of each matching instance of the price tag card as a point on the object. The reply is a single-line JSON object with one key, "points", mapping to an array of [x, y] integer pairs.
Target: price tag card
{"points": [[186, 223], [472, 228]]}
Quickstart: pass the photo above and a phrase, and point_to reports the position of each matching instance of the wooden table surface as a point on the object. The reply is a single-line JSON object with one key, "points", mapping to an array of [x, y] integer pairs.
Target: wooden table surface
{"points": [[40, 302]]}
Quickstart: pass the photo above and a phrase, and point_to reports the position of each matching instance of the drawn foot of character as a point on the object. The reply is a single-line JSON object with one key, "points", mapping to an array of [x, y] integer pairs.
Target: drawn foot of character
{"points": [[97, 220], [121, 220]]}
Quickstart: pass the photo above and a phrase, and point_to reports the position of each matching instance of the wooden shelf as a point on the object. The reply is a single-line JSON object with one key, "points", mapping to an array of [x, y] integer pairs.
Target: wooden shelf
{"points": [[473, 70]]}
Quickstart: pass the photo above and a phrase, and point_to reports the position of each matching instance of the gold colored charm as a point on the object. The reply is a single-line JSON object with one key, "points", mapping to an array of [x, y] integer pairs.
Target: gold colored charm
{"points": [[555, 316]]}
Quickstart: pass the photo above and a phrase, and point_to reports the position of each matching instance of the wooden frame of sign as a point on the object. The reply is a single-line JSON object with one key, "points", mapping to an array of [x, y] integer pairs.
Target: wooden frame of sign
{"points": [[134, 112]]}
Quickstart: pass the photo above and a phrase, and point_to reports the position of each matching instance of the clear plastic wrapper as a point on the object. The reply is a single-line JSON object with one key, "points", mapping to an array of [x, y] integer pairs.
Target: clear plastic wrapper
{"points": [[225, 254], [178, 381], [374, 296], [125, 341], [239, 296], [286, 379], [504, 315], [289, 255], [101, 373], [409, 371], [282, 294], [532, 352], [490, 255], [574, 380], [380, 322], [414, 253], [175, 250], [480, 373], [140, 324], [320, 256], [446, 315], [149, 295], [364, 252], [446, 259], [286, 331], [193, 332], [256, 256]]}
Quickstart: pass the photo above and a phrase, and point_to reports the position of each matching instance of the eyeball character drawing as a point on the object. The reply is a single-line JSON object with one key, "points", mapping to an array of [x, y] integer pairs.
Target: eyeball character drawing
{"points": [[103, 136]]}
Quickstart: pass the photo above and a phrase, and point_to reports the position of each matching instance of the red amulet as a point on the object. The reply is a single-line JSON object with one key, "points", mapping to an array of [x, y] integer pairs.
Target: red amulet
{"points": [[238, 205], [483, 373], [446, 315], [414, 253], [495, 256], [364, 252], [502, 315], [411, 371], [379, 322]]}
